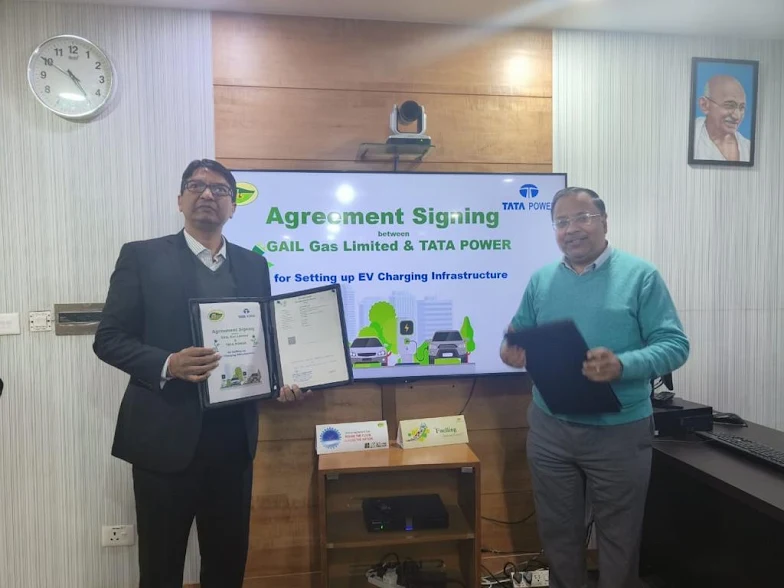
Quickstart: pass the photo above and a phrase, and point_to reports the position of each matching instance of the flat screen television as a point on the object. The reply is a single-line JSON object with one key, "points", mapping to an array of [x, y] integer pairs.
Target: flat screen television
{"points": [[432, 266]]}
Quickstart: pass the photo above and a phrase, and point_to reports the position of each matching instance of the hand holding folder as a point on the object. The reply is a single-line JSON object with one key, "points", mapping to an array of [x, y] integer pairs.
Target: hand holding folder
{"points": [[272, 347], [556, 357], [602, 365], [293, 393]]}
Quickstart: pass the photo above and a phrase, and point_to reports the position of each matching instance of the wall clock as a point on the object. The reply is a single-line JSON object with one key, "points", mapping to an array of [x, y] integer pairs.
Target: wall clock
{"points": [[71, 76]]}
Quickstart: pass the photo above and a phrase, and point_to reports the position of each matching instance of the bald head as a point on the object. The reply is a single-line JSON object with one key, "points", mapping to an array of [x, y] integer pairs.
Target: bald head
{"points": [[721, 85], [724, 105]]}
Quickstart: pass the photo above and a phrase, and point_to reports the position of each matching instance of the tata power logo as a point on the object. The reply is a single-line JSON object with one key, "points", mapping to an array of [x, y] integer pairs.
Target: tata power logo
{"points": [[528, 194], [529, 191], [246, 193], [247, 314]]}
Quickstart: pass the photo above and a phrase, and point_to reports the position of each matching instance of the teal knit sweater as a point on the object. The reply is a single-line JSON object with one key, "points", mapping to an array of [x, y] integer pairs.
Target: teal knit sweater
{"points": [[622, 305]]}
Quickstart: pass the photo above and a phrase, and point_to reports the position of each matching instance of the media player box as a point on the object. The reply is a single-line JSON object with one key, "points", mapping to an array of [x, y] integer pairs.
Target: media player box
{"points": [[690, 418], [405, 513]]}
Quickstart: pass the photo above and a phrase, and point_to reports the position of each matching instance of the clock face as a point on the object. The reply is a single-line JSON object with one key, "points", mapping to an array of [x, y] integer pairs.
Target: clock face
{"points": [[71, 77]]}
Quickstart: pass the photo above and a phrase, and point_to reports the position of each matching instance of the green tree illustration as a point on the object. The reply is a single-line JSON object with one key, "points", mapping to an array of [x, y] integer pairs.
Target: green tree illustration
{"points": [[373, 330], [383, 325], [238, 373], [467, 332]]}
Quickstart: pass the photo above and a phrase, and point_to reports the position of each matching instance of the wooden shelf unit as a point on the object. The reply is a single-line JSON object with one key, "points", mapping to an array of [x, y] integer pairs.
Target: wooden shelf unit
{"points": [[348, 549]]}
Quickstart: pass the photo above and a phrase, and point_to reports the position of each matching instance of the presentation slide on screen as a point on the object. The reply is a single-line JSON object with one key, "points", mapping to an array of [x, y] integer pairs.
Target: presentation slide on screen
{"points": [[432, 267]]}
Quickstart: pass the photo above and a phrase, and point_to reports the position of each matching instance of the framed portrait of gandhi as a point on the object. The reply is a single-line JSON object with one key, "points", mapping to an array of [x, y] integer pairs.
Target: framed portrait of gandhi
{"points": [[723, 112]]}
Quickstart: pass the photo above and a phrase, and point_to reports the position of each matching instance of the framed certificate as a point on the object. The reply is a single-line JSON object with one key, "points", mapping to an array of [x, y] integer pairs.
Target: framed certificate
{"points": [[267, 343]]}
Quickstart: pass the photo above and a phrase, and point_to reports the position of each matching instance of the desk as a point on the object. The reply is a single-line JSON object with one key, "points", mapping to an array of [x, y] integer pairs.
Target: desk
{"points": [[713, 517]]}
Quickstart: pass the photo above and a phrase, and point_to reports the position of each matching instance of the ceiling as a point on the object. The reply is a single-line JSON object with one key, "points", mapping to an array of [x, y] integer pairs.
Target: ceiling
{"points": [[744, 18]]}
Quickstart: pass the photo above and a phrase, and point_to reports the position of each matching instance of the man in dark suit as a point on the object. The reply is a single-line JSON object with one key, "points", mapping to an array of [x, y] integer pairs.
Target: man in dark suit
{"points": [[186, 463]]}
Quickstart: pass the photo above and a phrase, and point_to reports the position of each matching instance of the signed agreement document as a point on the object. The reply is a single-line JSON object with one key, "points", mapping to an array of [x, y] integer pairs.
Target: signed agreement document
{"points": [[236, 331], [267, 343], [310, 339]]}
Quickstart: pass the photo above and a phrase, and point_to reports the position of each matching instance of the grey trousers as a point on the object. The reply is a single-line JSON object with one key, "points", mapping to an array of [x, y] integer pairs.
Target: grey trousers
{"points": [[612, 465]]}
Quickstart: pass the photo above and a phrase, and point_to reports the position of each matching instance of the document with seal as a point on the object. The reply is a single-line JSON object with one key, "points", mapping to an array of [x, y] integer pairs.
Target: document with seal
{"points": [[297, 338], [310, 338]]}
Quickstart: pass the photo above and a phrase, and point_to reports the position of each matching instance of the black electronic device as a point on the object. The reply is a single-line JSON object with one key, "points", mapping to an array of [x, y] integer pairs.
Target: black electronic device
{"points": [[405, 513], [728, 418], [662, 399], [747, 447], [680, 417]]}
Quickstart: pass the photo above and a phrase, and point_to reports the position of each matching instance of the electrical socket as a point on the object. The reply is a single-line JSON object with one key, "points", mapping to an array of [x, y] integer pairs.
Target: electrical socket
{"points": [[117, 536], [540, 578]]}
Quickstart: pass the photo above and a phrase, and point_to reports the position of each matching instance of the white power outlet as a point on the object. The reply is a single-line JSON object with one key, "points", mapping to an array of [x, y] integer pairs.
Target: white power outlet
{"points": [[117, 536], [540, 578]]}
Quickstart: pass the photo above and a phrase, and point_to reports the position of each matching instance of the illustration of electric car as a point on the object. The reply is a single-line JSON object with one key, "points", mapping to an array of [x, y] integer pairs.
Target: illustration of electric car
{"points": [[447, 345], [368, 350]]}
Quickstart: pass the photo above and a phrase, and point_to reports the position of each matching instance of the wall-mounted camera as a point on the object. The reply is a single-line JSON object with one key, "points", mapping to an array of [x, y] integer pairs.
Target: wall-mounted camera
{"points": [[407, 114]]}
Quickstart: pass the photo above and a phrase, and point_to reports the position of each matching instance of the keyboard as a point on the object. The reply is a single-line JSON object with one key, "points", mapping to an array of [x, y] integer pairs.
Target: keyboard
{"points": [[752, 449]]}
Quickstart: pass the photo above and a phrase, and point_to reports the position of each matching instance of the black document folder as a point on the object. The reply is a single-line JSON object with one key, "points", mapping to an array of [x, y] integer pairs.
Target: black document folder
{"points": [[555, 353], [260, 353]]}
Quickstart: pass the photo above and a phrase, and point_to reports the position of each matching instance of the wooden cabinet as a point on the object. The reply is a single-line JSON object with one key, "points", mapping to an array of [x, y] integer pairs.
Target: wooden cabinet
{"points": [[348, 549]]}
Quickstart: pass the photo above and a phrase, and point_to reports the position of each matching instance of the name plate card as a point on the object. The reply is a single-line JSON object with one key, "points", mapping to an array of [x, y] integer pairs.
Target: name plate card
{"points": [[449, 430], [347, 437]]}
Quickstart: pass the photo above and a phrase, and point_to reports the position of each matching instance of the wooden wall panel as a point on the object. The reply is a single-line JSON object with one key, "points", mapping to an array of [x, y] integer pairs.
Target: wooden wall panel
{"points": [[309, 580], [277, 123], [502, 453], [517, 533], [282, 52], [490, 403], [359, 402], [302, 94], [353, 165], [284, 523]]}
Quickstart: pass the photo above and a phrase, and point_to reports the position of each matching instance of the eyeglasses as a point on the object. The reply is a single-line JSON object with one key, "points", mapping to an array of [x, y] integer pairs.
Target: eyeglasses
{"points": [[730, 105], [217, 190], [581, 220]]}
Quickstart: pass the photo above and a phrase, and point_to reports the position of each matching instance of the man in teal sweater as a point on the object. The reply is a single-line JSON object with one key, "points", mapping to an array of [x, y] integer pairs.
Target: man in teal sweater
{"points": [[624, 311]]}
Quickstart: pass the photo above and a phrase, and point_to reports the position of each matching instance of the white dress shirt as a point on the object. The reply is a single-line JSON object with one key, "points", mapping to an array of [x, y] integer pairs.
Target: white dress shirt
{"points": [[593, 266], [210, 261]]}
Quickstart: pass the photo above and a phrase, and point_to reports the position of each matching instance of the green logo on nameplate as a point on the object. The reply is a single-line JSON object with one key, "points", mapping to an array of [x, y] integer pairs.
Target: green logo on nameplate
{"points": [[449, 430], [216, 315]]}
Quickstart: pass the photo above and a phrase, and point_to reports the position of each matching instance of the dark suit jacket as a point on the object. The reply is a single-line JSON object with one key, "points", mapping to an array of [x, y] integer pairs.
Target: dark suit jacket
{"points": [[146, 318]]}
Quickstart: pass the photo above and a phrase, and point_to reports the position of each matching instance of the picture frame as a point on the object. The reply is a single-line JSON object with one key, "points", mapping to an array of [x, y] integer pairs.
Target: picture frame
{"points": [[723, 112]]}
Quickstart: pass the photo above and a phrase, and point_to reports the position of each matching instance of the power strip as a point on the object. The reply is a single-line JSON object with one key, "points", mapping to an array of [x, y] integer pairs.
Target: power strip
{"points": [[540, 578], [388, 580], [518, 581]]}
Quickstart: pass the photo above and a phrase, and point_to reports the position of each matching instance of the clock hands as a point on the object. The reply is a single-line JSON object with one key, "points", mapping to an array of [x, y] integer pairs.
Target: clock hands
{"points": [[79, 85], [54, 65], [73, 78]]}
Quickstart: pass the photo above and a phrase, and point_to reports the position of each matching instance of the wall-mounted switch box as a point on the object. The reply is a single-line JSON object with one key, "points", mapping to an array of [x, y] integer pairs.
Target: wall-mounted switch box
{"points": [[40, 321]]}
